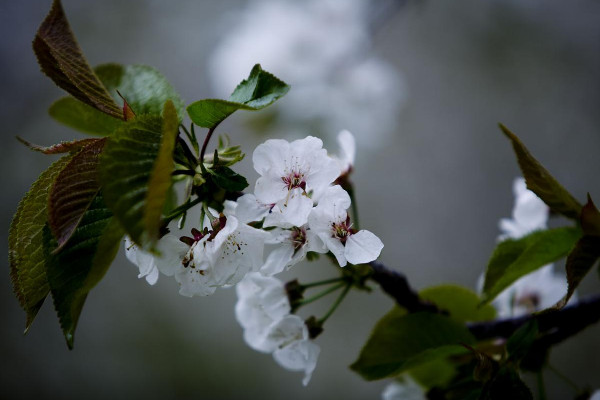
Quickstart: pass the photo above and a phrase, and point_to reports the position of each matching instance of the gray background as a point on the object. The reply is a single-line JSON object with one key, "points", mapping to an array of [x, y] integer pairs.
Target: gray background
{"points": [[433, 194]]}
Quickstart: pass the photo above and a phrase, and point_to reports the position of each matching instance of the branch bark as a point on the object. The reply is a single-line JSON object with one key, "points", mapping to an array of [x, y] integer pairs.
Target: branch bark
{"points": [[556, 325]]}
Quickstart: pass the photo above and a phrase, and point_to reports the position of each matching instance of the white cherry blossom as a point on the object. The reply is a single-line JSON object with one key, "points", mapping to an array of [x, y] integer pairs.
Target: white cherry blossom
{"points": [[537, 290], [347, 153], [330, 222], [263, 310], [292, 176], [221, 259], [529, 214], [292, 246], [170, 252], [262, 301]]}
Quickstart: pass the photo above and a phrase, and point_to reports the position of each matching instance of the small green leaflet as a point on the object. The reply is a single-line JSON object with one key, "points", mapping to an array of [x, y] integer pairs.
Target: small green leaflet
{"points": [[136, 163], [402, 341], [26, 254], [62, 60], [81, 263], [513, 259], [258, 91], [541, 182]]}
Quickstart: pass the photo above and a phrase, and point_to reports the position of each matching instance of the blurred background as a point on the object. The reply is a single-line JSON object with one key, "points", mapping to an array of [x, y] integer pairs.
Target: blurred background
{"points": [[422, 85]]}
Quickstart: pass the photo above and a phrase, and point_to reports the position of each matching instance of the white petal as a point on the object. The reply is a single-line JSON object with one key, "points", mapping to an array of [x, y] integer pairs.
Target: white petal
{"points": [[336, 247], [362, 247], [347, 145], [249, 209], [278, 260], [269, 190], [268, 157], [152, 277], [299, 356], [172, 251], [293, 212]]}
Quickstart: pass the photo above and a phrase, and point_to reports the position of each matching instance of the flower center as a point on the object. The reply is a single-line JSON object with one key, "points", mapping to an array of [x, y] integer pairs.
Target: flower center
{"points": [[294, 180], [298, 238], [342, 230]]}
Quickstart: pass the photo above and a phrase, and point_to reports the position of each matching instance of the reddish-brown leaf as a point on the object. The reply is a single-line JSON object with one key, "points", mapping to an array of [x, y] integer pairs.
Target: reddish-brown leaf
{"points": [[61, 58], [73, 191]]}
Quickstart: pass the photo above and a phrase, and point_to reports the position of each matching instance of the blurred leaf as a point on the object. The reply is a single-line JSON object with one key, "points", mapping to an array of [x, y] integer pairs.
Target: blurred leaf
{"points": [[434, 373], [579, 262], [541, 182], [513, 259], [144, 88], [507, 384], [460, 302], [258, 91], [73, 191], [81, 263], [80, 116], [520, 342], [62, 60], [25, 243], [134, 168], [590, 218], [62, 147], [401, 341]]}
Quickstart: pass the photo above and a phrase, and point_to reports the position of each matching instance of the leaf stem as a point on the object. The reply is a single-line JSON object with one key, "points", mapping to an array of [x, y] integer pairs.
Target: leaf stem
{"points": [[205, 144], [319, 295], [180, 210], [335, 305], [324, 282]]}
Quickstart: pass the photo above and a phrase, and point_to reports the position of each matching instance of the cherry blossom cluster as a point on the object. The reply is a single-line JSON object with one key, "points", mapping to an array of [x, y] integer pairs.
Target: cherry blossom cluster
{"points": [[299, 209]]}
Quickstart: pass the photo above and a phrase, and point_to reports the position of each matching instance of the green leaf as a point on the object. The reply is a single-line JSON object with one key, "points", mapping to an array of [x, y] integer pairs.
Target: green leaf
{"points": [[80, 116], [145, 89], [520, 342], [26, 255], [81, 263], [227, 179], [541, 182], [73, 191], [513, 259], [62, 60], [160, 178], [134, 166], [258, 91], [579, 262], [400, 342], [461, 303]]}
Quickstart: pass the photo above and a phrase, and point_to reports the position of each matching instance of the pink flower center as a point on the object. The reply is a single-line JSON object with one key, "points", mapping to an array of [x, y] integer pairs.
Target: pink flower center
{"points": [[294, 180], [342, 230]]}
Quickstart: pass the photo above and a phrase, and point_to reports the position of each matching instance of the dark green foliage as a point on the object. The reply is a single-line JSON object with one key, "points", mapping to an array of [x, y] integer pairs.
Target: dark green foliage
{"points": [[81, 263], [514, 258]]}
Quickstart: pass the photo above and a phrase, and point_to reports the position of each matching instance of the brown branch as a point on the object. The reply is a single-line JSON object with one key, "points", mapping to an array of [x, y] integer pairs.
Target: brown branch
{"points": [[556, 325]]}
